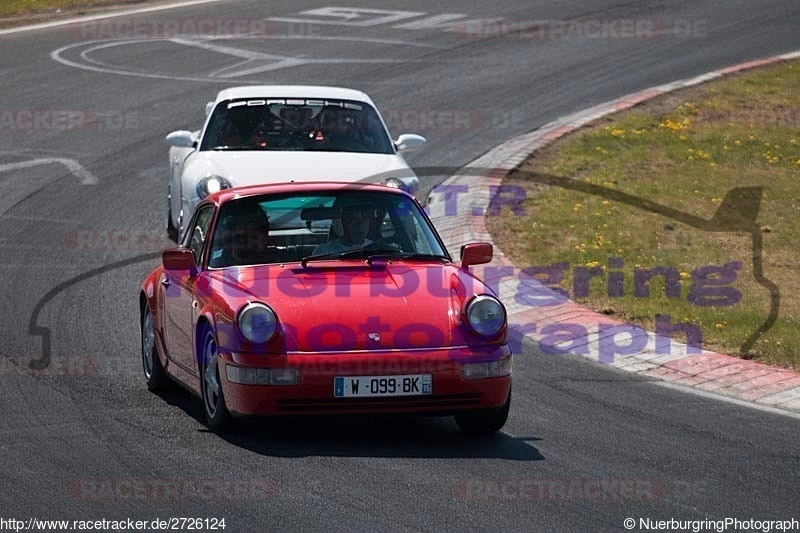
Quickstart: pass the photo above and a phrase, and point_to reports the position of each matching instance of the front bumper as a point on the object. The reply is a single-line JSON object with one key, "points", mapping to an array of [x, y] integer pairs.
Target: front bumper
{"points": [[314, 391]]}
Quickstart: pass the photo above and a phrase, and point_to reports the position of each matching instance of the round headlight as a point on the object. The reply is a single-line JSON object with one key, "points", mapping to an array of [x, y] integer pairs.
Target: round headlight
{"points": [[211, 184], [393, 182], [486, 315], [257, 322]]}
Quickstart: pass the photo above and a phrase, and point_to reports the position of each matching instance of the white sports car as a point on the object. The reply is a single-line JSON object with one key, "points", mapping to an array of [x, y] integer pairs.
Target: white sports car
{"points": [[283, 133]]}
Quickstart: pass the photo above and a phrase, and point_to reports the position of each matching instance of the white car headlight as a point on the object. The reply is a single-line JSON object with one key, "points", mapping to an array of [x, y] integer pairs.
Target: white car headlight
{"points": [[393, 182], [257, 322], [486, 315], [211, 184]]}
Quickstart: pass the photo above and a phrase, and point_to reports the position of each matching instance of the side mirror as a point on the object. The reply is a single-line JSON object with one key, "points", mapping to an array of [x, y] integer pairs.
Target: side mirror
{"points": [[408, 142], [476, 253], [179, 260], [181, 139], [209, 108]]}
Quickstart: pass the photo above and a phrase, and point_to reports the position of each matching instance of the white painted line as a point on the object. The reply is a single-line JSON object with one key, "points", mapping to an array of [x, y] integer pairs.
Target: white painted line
{"points": [[86, 177], [58, 55]]}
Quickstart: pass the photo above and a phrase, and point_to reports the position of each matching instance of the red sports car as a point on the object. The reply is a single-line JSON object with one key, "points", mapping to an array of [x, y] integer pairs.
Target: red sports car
{"points": [[325, 298]]}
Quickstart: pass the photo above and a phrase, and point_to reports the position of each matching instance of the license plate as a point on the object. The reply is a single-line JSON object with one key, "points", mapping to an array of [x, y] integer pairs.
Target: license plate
{"points": [[365, 386]]}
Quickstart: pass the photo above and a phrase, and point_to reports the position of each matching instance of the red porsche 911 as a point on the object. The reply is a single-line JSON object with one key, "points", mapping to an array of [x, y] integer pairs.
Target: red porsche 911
{"points": [[325, 298]]}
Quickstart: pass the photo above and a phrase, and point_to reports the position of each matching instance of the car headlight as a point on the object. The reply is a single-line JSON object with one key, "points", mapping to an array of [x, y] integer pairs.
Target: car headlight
{"points": [[486, 315], [257, 322], [393, 182], [211, 184]]}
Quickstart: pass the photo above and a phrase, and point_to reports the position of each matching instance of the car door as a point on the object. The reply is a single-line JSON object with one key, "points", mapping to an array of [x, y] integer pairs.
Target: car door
{"points": [[180, 292]]}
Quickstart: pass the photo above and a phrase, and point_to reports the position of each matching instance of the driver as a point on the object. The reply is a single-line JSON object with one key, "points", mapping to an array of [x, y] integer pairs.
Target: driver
{"points": [[356, 223]]}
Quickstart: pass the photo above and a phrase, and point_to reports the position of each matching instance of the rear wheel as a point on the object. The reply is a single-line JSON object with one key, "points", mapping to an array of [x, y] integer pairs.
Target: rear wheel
{"points": [[151, 365], [217, 415], [484, 421]]}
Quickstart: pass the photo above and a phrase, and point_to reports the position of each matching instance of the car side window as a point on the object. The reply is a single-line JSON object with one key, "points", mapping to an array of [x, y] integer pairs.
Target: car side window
{"points": [[199, 231]]}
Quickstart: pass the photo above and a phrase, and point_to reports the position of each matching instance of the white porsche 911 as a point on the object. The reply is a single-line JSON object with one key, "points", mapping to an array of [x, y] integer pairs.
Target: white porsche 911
{"points": [[282, 133]]}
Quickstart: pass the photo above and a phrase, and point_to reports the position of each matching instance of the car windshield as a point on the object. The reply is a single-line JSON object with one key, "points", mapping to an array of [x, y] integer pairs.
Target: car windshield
{"points": [[332, 225], [297, 125]]}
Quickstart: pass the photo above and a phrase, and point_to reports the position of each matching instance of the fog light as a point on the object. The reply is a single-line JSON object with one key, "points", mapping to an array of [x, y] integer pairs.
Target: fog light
{"points": [[283, 376], [492, 369], [262, 376]]}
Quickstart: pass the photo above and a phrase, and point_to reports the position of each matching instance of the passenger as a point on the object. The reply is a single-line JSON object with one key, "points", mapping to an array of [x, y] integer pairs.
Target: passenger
{"points": [[356, 224]]}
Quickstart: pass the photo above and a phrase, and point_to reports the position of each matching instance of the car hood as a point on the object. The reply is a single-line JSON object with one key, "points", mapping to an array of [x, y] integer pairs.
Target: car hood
{"points": [[252, 168], [354, 306]]}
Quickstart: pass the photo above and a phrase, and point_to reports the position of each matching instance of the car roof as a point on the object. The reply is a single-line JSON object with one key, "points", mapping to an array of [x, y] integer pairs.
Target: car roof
{"points": [[226, 195], [292, 91]]}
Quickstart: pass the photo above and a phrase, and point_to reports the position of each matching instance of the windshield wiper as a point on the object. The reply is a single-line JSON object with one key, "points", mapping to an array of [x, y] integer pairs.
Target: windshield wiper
{"points": [[373, 253], [349, 254], [419, 256]]}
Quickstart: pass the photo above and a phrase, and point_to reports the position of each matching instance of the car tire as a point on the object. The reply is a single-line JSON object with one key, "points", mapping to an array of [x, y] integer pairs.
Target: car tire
{"points": [[216, 412], [154, 372], [484, 421], [172, 232]]}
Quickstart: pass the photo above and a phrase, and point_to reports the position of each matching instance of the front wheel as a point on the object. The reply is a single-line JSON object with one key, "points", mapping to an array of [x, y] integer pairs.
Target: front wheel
{"points": [[151, 365], [484, 421], [172, 231], [217, 415]]}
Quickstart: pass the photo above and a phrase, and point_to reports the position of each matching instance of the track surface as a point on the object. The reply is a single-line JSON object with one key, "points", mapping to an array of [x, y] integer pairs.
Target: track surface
{"points": [[63, 437]]}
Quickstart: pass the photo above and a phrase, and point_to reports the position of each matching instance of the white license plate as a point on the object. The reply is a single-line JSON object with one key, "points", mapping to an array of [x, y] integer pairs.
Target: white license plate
{"points": [[365, 386]]}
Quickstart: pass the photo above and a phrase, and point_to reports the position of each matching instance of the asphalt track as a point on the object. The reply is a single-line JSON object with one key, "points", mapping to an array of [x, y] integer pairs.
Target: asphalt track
{"points": [[89, 442]]}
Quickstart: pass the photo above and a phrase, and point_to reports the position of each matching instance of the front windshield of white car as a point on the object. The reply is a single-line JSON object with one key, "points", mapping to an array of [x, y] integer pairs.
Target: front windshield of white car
{"points": [[307, 226], [296, 125]]}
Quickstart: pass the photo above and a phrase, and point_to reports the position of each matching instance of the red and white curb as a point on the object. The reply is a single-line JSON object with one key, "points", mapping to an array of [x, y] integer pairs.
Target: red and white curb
{"points": [[460, 219]]}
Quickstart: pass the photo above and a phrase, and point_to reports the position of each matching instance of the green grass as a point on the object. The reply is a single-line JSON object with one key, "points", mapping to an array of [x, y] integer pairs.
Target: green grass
{"points": [[685, 151], [24, 10]]}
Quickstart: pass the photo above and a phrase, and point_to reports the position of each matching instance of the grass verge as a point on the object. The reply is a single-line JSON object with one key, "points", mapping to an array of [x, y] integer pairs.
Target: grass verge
{"points": [[684, 151], [20, 12]]}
